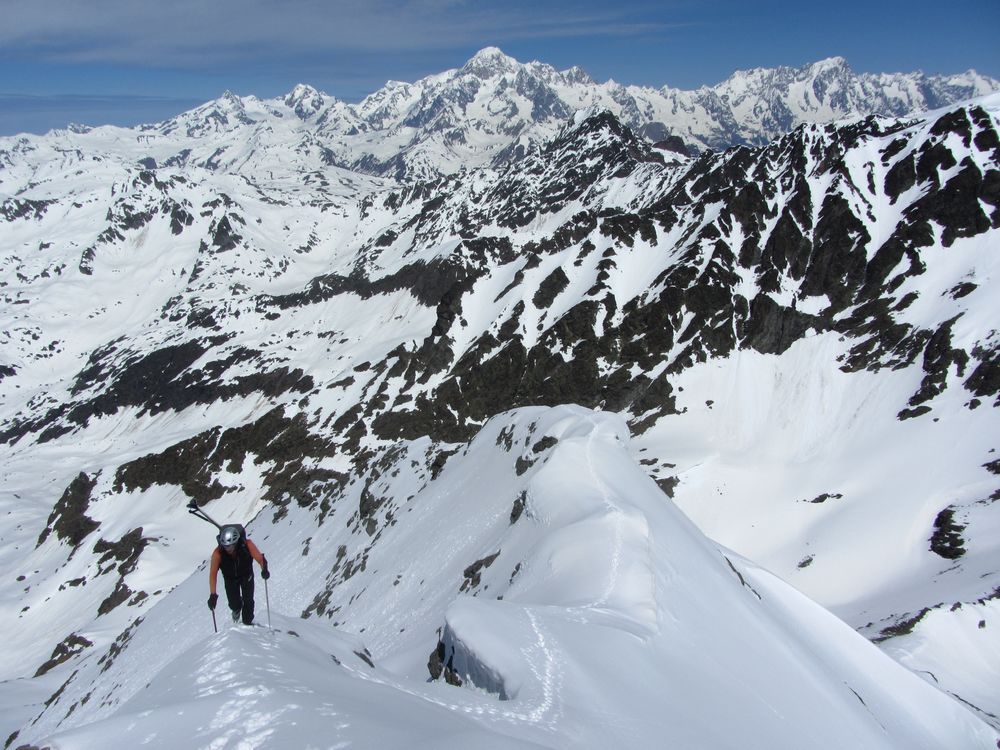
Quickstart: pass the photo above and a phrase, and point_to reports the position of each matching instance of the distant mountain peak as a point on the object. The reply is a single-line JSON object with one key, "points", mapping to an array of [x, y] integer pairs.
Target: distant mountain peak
{"points": [[830, 62], [577, 75], [488, 62], [773, 76], [492, 53], [302, 91], [305, 100]]}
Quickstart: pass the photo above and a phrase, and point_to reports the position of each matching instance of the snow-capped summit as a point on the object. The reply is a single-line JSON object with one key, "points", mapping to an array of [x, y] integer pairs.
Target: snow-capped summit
{"points": [[766, 102], [490, 62], [577, 76], [227, 114], [305, 101], [836, 62], [232, 100]]}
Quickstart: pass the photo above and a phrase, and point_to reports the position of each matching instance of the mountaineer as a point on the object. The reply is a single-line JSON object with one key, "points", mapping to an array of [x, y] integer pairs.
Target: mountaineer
{"points": [[234, 556]]}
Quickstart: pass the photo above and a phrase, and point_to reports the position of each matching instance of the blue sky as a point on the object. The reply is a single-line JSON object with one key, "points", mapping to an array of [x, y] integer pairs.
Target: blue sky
{"points": [[132, 61]]}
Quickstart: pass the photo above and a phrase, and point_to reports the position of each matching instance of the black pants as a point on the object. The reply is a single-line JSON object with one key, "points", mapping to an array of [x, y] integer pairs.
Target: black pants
{"points": [[239, 592]]}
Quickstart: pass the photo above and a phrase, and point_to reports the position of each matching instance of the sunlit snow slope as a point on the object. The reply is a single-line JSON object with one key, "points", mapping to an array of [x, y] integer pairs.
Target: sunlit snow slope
{"points": [[597, 615]]}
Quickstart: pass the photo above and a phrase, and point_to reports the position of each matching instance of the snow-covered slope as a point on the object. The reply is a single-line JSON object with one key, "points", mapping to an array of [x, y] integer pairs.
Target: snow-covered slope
{"points": [[564, 587], [800, 337]]}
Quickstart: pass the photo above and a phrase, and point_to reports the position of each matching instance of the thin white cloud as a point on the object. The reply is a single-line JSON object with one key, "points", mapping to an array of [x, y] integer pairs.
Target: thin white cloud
{"points": [[189, 33]]}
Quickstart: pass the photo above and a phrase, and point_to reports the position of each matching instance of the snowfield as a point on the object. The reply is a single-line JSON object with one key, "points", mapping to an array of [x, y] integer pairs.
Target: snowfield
{"points": [[601, 588]]}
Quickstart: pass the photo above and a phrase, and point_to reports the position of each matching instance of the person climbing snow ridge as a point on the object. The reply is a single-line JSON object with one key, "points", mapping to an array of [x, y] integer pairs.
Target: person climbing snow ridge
{"points": [[234, 556]]}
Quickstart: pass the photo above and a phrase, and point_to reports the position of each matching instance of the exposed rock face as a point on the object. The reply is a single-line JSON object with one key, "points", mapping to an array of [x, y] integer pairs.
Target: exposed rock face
{"points": [[69, 518], [744, 249]]}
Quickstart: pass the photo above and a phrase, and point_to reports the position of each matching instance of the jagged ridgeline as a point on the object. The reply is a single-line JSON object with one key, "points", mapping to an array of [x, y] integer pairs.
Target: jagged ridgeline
{"points": [[180, 332]]}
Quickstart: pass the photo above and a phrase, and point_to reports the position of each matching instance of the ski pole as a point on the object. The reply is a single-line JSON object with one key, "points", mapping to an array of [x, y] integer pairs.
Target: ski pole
{"points": [[194, 510], [267, 601], [214, 626]]}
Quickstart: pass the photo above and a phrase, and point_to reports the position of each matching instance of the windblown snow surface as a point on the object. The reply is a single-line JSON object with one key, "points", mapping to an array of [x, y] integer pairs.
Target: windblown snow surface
{"points": [[602, 618]]}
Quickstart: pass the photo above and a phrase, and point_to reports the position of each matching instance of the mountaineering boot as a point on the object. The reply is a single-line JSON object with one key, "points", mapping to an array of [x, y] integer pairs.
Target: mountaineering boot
{"points": [[236, 615]]}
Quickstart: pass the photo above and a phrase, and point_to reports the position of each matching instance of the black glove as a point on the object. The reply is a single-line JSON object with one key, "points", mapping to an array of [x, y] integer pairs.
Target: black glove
{"points": [[265, 573], [212, 600]]}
